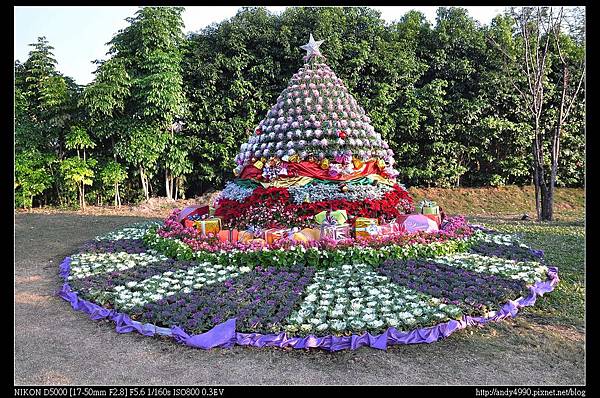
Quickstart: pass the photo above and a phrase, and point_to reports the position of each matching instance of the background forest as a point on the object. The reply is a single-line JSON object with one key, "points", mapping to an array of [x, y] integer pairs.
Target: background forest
{"points": [[166, 111]]}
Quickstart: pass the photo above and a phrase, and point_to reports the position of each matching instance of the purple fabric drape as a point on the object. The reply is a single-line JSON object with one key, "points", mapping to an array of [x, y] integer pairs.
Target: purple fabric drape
{"points": [[224, 335]]}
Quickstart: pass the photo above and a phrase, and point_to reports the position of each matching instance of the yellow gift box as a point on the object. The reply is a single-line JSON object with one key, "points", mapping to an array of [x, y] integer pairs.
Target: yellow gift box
{"points": [[311, 233], [210, 225], [259, 164], [366, 227]]}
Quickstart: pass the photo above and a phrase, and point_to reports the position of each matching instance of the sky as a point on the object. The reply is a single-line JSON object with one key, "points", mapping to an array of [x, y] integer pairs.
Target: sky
{"points": [[79, 34]]}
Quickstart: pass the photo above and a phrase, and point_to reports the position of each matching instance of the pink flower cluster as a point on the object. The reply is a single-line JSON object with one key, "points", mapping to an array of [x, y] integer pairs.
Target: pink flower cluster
{"points": [[454, 228]]}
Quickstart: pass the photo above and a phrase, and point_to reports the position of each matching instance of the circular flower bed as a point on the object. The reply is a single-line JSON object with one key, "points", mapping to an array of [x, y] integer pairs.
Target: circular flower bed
{"points": [[161, 279]]}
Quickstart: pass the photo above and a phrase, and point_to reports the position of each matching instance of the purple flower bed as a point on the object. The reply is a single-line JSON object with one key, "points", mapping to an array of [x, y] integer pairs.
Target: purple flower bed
{"points": [[509, 252], [105, 282], [474, 292], [131, 246], [260, 300]]}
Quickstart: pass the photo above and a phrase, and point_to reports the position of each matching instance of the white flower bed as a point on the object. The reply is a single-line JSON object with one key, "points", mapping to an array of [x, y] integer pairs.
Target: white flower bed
{"points": [[354, 297], [501, 239], [88, 264], [136, 231], [528, 271], [135, 293]]}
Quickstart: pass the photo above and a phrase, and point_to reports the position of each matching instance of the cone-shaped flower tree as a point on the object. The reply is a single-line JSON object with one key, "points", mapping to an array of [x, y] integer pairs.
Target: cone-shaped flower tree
{"points": [[315, 150]]}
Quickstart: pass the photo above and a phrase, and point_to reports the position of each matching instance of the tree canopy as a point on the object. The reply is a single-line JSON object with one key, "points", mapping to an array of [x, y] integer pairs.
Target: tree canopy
{"points": [[168, 110]]}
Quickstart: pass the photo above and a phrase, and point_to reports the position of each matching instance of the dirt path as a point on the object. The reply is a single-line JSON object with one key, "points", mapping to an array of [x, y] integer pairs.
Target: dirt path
{"points": [[56, 345]]}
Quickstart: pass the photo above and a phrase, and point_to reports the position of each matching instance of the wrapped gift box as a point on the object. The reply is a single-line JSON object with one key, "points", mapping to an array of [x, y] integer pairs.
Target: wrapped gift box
{"points": [[339, 216], [334, 231], [229, 235], [274, 234], [250, 234], [207, 226], [189, 211], [417, 222], [311, 233], [425, 210], [366, 227], [391, 228], [435, 217]]}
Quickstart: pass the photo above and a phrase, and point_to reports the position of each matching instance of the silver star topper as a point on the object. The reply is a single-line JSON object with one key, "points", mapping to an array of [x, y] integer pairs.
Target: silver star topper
{"points": [[312, 48]]}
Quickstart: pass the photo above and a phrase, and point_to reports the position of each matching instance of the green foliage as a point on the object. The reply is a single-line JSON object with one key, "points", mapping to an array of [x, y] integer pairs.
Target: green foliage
{"points": [[31, 176], [301, 255], [78, 138], [113, 173], [76, 171], [438, 93]]}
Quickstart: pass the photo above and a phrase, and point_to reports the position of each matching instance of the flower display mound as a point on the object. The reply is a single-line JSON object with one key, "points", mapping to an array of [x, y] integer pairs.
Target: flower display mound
{"points": [[415, 289], [314, 150]]}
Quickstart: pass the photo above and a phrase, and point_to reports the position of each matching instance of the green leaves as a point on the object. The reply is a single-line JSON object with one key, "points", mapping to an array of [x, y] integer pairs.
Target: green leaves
{"points": [[77, 171], [78, 138], [32, 176]]}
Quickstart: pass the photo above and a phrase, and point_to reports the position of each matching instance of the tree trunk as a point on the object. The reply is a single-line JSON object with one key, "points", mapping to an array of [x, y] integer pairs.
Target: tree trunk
{"points": [[536, 182], [172, 185], [547, 199], [83, 195], [176, 187], [144, 183], [168, 185]]}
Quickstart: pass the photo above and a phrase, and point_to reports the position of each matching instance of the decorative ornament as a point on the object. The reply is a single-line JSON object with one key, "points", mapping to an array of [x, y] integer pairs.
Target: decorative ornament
{"points": [[381, 164], [357, 163], [342, 134], [312, 48], [259, 165], [258, 131], [295, 158], [325, 164], [344, 187]]}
